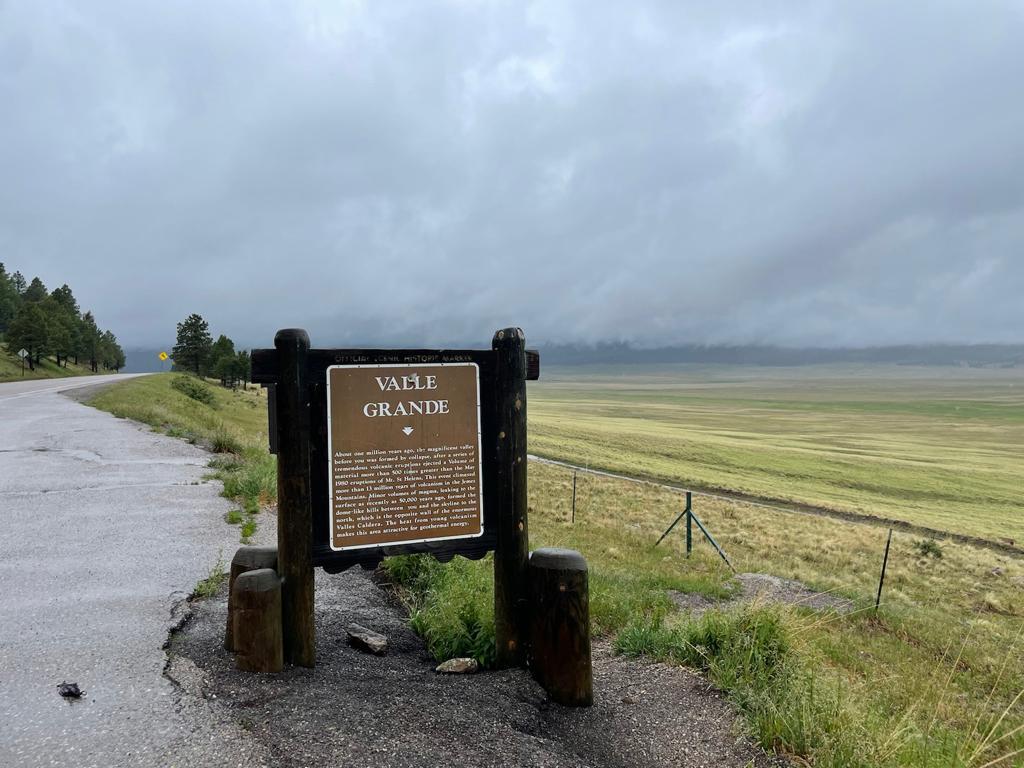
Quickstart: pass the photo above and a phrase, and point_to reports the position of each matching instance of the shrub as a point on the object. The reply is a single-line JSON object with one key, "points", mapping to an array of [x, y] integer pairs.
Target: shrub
{"points": [[194, 388], [928, 548]]}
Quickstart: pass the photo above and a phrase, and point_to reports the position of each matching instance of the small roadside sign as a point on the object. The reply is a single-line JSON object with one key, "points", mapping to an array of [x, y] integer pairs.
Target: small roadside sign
{"points": [[163, 355], [22, 353]]}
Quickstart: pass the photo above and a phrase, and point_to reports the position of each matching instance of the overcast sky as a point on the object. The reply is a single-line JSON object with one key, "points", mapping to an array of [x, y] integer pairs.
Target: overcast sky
{"points": [[659, 172]]}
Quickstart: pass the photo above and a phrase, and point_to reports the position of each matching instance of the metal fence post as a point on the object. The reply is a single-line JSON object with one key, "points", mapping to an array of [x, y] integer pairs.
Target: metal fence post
{"points": [[689, 523]]}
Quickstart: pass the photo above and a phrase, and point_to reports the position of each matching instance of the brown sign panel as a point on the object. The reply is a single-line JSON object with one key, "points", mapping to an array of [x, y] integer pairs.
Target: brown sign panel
{"points": [[404, 453]]}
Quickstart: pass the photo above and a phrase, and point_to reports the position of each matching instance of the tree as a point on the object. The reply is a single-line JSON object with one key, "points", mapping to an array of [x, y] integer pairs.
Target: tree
{"points": [[222, 360], [29, 330], [36, 291], [64, 324], [65, 299], [89, 347], [10, 299], [18, 281], [244, 366], [194, 344], [111, 354]]}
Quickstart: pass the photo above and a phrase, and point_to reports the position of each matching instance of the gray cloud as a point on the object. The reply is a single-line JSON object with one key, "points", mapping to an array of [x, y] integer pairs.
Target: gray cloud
{"points": [[661, 172]]}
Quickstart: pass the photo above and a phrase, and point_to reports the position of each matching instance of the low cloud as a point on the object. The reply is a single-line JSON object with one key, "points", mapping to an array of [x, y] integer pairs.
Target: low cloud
{"points": [[660, 172]]}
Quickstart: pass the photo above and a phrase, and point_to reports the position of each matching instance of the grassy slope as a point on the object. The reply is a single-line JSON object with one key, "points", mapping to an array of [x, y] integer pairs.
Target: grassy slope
{"points": [[10, 369], [936, 447], [859, 690]]}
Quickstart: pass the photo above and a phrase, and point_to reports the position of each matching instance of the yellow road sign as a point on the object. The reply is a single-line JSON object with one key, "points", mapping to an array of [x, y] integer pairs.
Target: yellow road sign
{"points": [[163, 355]]}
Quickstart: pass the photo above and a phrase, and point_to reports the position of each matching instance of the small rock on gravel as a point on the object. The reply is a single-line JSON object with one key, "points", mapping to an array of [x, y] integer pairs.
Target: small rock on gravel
{"points": [[367, 640], [460, 666]]}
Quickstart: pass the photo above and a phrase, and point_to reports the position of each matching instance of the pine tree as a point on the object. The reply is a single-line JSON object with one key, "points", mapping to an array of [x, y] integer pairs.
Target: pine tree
{"points": [[29, 330], [194, 344], [89, 347], [9, 299], [36, 291]]}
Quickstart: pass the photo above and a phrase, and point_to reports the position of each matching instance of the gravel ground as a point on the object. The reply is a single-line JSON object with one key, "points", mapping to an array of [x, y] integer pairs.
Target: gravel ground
{"points": [[766, 588], [358, 709]]}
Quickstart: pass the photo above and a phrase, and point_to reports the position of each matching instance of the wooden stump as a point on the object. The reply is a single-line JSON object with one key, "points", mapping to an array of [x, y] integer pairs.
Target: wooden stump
{"points": [[559, 652], [259, 644], [245, 559]]}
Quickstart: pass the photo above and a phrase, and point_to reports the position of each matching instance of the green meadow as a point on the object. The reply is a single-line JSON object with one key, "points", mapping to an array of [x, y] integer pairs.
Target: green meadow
{"points": [[935, 447]]}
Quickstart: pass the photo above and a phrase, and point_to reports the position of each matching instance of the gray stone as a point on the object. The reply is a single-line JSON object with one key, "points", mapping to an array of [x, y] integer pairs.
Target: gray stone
{"points": [[367, 640], [460, 666]]}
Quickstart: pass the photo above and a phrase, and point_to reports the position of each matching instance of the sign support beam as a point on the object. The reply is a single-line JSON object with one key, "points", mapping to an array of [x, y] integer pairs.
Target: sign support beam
{"points": [[511, 557], [294, 514]]}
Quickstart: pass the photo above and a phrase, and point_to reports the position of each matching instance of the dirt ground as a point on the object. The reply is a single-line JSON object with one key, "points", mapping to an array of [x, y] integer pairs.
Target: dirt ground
{"points": [[358, 709]]}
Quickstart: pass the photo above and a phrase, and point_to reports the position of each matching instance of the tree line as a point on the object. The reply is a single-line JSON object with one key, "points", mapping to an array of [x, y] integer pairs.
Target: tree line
{"points": [[46, 323], [196, 351]]}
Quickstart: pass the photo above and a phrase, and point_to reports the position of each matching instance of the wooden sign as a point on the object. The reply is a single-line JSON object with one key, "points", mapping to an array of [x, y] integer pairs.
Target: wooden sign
{"points": [[404, 454], [385, 452]]}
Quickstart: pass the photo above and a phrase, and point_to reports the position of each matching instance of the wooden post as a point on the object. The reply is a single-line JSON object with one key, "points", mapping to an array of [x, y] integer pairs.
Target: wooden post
{"points": [[246, 559], [257, 621], [560, 626], [512, 553], [294, 517]]}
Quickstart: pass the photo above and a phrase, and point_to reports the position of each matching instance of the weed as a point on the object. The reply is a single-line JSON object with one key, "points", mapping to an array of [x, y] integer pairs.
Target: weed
{"points": [[209, 586]]}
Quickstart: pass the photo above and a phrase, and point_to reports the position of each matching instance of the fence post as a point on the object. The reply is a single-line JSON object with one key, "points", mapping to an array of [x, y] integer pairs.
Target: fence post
{"points": [[512, 552], [689, 523], [294, 516], [574, 497], [881, 578]]}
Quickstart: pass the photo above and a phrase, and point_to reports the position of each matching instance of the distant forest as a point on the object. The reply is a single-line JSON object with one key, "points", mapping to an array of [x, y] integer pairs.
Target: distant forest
{"points": [[609, 353], [50, 324]]}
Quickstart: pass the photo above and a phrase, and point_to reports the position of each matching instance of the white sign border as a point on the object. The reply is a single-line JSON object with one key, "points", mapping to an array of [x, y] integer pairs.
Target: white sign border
{"points": [[330, 458]]}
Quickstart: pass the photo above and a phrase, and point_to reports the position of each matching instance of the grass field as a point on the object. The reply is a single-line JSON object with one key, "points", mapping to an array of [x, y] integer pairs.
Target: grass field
{"points": [[937, 447], [930, 680], [10, 369]]}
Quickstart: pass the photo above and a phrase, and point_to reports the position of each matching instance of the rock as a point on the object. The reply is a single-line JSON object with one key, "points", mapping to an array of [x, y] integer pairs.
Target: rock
{"points": [[997, 571], [367, 640], [461, 666], [70, 690]]}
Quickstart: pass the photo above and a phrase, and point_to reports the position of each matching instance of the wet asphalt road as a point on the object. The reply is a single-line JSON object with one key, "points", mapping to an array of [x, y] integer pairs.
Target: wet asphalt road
{"points": [[104, 528]]}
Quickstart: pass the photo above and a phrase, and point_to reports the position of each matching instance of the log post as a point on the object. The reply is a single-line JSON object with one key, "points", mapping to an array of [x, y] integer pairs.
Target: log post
{"points": [[257, 621], [294, 516], [512, 552], [245, 559], [560, 626]]}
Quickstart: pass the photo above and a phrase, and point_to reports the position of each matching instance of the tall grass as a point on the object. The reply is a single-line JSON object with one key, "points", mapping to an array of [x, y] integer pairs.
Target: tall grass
{"points": [[451, 605]]}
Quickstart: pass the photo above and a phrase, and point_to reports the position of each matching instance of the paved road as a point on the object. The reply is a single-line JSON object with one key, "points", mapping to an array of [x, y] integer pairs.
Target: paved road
{"points": [[104, 528]]}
